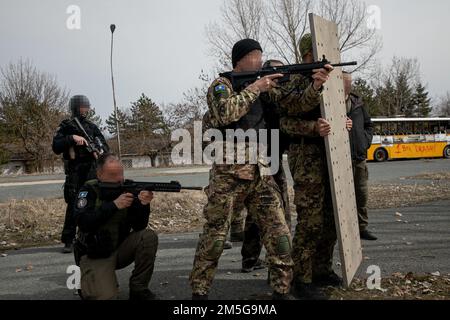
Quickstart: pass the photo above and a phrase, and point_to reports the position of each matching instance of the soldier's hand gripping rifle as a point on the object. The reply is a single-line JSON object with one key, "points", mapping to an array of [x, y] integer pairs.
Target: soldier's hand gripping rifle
{"points": [[133, 187], [242, 79], [94, 145]]}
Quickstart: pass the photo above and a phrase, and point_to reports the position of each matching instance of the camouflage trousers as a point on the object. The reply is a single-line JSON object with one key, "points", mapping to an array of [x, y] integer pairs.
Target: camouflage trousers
{"points": [[262, 198], [252, 244], [315, 233], [239, 213]]}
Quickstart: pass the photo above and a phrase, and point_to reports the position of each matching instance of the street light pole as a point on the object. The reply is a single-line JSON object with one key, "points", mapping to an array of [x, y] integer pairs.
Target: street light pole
{"points": [[116, 114]]}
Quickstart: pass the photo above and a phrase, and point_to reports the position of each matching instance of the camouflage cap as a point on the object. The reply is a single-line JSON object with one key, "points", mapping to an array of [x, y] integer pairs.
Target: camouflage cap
{"points": [[306, 44]]}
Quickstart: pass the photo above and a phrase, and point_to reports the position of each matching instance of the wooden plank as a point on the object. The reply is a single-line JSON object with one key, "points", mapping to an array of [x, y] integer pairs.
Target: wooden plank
{"points": [[333, 108]]}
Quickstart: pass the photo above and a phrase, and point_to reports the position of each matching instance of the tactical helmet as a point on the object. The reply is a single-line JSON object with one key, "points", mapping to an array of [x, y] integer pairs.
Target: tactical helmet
{"points": [[76, 102]]}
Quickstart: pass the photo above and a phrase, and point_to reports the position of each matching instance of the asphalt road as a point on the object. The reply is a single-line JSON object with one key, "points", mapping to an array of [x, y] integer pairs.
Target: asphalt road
{"points": [[47, 186], [420, 245]]}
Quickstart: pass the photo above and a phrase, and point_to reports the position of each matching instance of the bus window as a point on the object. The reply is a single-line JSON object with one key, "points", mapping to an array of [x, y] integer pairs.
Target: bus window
{"points": [[434, 128], [426, 128], [392, 128], [409, 128], [446, 127], [385, 128], [418, 127], [377, 128], [401, 128]]}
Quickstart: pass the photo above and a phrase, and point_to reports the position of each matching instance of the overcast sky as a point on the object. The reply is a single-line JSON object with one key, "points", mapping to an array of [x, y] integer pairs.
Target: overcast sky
{"points": [[160, 46]]}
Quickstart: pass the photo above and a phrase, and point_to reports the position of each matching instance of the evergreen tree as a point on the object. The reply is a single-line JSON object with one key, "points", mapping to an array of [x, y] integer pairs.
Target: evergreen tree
{"points": [[95, 118], [146, 117], [385, 99], [123, 122], [404, 103], [421, 102], [362, 88]]}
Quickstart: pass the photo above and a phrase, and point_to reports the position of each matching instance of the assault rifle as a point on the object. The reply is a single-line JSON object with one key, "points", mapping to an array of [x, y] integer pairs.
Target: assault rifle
{"points": [[242, 79], [94, 145], [134, 187]]}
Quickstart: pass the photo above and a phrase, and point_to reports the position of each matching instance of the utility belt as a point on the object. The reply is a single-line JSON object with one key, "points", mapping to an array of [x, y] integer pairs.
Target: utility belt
{"points": [[96, 245]]}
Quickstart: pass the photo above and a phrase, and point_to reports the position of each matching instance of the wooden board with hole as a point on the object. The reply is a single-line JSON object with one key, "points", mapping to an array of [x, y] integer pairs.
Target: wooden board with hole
{"points": [[333, 108]]}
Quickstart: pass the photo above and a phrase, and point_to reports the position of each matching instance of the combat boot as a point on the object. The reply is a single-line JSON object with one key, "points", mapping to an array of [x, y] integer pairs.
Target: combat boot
{"points": [[308, 291], [367, 235], [199, 297], [331, 279], [227, 245], [68, 248], [143, 295], [252, 265]]}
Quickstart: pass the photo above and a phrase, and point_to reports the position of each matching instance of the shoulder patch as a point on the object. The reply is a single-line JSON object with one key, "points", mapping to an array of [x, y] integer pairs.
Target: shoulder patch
{"points": [[220, 88], [83, 194], [221, 91], [81, 203]]}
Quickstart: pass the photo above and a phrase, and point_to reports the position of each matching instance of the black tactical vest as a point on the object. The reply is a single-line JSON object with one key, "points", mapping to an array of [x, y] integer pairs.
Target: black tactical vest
{"points": [[104, 241], [254, 119]]}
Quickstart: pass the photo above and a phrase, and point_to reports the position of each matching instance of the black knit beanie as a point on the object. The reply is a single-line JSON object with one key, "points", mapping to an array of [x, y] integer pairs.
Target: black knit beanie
{"points": [[242, 48]]}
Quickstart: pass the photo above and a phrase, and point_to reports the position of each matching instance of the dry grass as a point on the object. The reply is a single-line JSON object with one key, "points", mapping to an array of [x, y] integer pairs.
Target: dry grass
{"points": [[441, 176], [398, 286], [30, 222], [39, 222], [395, 196]]}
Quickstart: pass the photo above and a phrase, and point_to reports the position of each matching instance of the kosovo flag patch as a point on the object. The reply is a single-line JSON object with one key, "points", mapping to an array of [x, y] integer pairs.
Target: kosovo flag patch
{"points": [[220, 89]]}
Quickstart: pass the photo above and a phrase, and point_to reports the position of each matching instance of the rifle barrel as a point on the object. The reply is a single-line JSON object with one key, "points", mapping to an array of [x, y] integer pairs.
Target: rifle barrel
{"points": [[353, 63], [192, 188]]}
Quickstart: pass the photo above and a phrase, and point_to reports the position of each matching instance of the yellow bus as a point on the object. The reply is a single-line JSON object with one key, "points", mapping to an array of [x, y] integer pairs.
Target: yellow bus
{"points": [[410, 138]]}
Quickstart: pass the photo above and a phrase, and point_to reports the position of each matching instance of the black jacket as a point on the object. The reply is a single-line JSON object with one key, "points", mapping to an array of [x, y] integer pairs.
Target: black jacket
{"points": [[104, 227], [362, 132], [63, 141]]}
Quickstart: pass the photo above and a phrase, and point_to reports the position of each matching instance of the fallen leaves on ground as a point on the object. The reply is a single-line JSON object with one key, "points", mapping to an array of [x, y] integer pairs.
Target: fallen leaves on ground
{"points": [[397, 287]]}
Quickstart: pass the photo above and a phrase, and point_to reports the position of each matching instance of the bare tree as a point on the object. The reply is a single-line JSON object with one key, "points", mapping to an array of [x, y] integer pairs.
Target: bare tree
{"points": [[283, 24], [29, 101], [397, 86], [442, 109], [192, 108], [357, 40], [409, 68], [240, 19], [286, 21]]}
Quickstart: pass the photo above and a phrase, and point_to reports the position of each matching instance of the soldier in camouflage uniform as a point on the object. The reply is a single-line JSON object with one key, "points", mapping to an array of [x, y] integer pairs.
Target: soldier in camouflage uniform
{"points": [[242, 109], [252, 241], [315, 233]]}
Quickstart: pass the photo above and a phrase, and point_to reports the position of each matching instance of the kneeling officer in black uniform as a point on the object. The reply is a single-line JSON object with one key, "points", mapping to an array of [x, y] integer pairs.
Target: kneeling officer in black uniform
{"points": [[112, 234]]}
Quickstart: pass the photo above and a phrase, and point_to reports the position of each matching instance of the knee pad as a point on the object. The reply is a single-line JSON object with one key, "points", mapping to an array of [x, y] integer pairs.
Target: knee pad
{"points": [[216, 249], [283, 245]]}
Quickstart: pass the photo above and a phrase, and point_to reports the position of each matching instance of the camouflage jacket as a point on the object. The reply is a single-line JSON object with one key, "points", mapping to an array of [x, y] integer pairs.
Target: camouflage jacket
{"points": [[296, 122], [225, 106]]}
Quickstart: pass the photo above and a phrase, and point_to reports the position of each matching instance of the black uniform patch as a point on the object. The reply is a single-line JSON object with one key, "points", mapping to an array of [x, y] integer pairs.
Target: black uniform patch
{"points": [[81, 203]]}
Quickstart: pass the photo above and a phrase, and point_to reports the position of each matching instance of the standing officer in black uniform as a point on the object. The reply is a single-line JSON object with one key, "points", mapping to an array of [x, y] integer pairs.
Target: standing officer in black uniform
{"points": [[79, 159]]}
